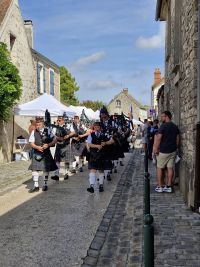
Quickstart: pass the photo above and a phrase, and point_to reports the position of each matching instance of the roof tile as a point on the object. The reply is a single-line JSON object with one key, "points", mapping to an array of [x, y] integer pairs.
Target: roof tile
{"points": [[4, 6]]}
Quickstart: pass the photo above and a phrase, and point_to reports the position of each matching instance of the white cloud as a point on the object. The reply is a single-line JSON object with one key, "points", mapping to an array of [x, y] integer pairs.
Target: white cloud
{"points": [[155, 41], [100, 85], [85, 61]]}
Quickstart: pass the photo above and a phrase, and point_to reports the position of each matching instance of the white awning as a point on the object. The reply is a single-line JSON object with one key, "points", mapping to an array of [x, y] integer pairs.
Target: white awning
{"points": [[38, 106]]}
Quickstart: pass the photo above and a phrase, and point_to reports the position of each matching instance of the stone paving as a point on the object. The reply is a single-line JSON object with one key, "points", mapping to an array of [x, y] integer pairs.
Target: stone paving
{"points": [[64, 225], [119, 239], [177, 229], [13, 175], [53, 228]]}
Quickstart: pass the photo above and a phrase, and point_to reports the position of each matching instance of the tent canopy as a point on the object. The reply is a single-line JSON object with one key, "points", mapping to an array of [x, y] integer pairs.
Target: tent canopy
{"points": [[137, 122], [88, 112], [38, 106]]}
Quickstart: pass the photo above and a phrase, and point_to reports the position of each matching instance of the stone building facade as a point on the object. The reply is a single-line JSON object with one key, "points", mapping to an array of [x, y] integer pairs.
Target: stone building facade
{"points": [[47, 75], [180, 91], [18, 35], [123, 102]]}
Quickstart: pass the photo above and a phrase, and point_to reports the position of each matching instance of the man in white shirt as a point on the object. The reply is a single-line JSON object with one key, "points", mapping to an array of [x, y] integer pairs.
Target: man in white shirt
{"points": [[41, 140]]}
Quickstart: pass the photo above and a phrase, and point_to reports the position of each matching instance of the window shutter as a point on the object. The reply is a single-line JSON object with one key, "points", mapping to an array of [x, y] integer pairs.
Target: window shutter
{"points": [[51, 82], [38, 78], [44, 79]]}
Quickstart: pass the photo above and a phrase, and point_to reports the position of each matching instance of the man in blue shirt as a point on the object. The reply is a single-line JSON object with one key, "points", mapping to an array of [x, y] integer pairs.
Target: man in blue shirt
{"points": [[165, 148]]}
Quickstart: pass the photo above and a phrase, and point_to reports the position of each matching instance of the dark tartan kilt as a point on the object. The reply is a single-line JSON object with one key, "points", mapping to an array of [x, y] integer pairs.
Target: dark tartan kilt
{"points": [[125, 146], [98, 161], [113, 152], [119, 152], [47, 164], [85, 153], [78, 148], [63, 153]]}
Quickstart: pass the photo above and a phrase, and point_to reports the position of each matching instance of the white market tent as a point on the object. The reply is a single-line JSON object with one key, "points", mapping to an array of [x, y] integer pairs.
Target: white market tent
{"points": [[77, 109], [88, 112], [38, 106], [137, 122]]}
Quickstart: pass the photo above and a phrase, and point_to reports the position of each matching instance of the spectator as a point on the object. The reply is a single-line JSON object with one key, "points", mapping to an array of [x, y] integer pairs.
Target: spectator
{"points": [[153, 130], [167, 142], [150, 135], [144, 135]]}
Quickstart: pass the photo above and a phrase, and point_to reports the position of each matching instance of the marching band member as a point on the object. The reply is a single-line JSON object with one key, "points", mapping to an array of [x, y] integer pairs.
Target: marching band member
{"points": [[80, 134], [41, 140], [107, 128], [63, 151], [96, 141]]}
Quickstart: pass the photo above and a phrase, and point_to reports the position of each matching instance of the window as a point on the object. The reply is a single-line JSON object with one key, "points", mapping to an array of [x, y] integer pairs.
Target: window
{"points": [[51, 81], [118, 103], [41, 81], [12, 41]]}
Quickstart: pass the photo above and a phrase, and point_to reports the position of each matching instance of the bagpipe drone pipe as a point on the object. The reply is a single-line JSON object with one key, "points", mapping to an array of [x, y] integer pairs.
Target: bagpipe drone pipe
{"points": [[49, 125]]}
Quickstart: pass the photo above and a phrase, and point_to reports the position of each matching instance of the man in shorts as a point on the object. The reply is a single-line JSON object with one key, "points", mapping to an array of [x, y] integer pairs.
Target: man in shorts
{"points": [[167, 142]]}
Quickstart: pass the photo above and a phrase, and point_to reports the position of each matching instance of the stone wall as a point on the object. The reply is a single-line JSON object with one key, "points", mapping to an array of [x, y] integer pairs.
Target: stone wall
{"points": [[20, 54], [181, 87], [22, 58]]}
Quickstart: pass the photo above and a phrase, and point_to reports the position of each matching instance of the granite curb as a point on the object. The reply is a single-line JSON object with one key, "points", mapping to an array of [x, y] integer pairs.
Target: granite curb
{"points": [[118, 240]]}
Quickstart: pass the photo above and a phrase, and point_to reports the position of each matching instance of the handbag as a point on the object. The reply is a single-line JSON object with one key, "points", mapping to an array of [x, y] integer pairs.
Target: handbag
{"points": [[39, 157]]}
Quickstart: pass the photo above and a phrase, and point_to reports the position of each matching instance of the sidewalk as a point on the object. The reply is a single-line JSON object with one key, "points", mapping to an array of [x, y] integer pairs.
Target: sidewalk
{"points": [[13, 174], [119, 239], [177, 229]]}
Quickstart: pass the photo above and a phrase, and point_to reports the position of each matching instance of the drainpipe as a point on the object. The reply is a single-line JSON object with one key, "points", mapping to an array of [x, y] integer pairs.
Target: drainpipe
{"points": [[158, 7], [197, 157]]}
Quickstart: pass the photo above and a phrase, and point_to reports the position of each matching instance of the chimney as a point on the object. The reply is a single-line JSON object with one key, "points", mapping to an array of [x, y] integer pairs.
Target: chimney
{"points": [[157, 76], [29, 31], [125, 90]]}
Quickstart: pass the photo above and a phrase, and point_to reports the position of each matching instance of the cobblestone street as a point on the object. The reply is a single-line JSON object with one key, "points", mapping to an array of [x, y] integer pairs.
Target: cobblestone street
{"points": [[52, 228], [67, 227]]}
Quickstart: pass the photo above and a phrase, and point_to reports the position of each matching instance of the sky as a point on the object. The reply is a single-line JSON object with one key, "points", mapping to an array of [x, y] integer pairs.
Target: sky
{"points": [[107, 45]]}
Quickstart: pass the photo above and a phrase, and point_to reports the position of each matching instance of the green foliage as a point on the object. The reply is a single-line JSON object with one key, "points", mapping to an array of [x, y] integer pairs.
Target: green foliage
{"points": [[95, 105], [145, 107], [68, 87], [10, 84]]}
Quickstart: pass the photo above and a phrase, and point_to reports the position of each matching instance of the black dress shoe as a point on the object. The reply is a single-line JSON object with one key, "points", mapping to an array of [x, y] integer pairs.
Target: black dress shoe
{"points": [[115, 170], [108, 177], [73, 171], [121, 163], [55, 178], [34, 189], [44, 188], [80, 169], [101, 188], [66, 176], [90, 189]]}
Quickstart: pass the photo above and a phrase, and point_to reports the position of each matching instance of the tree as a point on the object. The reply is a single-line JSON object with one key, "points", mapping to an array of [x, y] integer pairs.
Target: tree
{"points": [[95, 105], [68, 87], [10, 84]]}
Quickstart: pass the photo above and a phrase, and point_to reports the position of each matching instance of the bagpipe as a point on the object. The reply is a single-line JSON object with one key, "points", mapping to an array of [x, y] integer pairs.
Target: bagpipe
{"points": [[48, 124], [85, 120]]}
